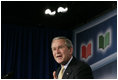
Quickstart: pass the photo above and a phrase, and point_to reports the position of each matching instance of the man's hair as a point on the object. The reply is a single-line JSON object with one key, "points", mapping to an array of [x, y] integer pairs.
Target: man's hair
{"points": [[68, 42]]}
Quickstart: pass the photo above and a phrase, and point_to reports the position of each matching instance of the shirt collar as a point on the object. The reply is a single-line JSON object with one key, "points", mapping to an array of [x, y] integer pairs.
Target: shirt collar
{"points": [[66, 65]]}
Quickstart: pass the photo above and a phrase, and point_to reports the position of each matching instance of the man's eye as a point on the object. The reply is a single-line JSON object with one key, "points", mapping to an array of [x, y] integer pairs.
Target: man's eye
{"points": [[60, 46], [53, 49]]}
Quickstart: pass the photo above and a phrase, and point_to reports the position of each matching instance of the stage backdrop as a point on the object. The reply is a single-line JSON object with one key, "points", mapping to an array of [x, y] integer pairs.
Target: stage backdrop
{"points": [[96, 44], [26, 51]]}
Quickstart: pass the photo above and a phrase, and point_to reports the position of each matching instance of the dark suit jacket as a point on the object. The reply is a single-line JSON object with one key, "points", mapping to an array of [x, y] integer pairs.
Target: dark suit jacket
{"points": [[76, 70]]}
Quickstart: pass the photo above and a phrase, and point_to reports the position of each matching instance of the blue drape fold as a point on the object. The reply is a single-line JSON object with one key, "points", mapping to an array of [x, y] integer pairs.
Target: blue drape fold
{"points": [[26, 51]]}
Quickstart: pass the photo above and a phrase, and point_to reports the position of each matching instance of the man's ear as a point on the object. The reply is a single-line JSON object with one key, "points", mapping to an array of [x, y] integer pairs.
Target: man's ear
{"points": [[71, 50]]}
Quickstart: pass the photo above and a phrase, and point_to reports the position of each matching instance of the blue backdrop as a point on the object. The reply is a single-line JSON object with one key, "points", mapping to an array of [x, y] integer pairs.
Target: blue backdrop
{"points": [[26, 51], [101, 60]]}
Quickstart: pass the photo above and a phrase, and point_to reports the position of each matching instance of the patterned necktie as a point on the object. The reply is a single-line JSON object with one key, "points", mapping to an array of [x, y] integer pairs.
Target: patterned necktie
{"points": [[61, 72]]}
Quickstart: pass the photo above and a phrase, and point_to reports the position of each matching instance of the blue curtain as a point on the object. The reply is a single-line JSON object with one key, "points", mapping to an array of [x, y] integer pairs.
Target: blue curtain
{"points": [[26, 51]]}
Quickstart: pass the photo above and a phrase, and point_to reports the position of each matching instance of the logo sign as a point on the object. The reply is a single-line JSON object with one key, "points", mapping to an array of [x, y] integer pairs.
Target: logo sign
{"points": [[86, 51], [96, 42], [104, 40]]}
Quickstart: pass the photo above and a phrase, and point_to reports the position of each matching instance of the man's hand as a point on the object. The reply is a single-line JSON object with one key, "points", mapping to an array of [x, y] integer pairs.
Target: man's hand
{"points": [[54, 75]]}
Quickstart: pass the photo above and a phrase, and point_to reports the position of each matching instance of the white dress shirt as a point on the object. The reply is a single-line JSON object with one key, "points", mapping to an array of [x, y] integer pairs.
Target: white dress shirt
{"points": [[66, 65]]}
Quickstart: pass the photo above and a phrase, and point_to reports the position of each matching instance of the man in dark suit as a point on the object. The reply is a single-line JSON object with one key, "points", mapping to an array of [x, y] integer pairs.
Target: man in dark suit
{"points": [[70, 68]]}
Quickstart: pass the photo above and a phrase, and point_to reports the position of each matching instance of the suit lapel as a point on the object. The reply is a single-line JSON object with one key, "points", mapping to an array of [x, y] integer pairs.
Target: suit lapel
{"points": [[57, 72], [67, 73], [68, 70]]}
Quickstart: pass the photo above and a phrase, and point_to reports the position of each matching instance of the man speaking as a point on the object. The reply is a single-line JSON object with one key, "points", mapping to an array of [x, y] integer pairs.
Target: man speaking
{"points": [[70, 68]]}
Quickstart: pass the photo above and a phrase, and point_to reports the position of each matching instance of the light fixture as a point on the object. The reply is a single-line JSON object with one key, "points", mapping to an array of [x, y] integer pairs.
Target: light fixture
{"points": [[59, 10], [53, 13], [49, 12], [62, 10]]}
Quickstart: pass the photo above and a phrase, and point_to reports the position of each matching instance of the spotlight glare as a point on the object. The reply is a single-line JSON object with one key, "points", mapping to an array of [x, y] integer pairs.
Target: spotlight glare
{"points": [[53, 13], [47, 11], [61, 9]]}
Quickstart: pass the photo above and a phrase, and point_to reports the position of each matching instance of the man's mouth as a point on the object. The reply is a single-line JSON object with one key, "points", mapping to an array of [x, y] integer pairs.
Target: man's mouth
{"points": [[59, 56]]}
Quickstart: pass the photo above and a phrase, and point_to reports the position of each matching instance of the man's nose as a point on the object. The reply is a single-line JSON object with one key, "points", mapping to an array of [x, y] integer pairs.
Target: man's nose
{"points": [[57, 51]]}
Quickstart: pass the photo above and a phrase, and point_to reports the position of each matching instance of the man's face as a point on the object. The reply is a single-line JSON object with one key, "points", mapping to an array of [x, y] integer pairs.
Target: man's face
{"points": [[61, 52]]}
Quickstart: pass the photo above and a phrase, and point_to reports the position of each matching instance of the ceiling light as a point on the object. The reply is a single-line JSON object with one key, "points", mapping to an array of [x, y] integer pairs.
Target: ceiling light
{"points": [[53, 13], [61, 9], [48, 11]]}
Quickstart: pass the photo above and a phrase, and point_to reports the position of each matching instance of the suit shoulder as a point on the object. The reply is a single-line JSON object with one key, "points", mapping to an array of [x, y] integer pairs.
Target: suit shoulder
{"points": [[80, 64]]}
